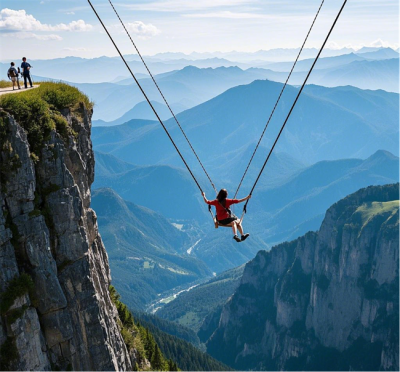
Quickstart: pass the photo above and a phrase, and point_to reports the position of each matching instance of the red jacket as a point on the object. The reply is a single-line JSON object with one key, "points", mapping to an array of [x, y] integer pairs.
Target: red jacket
{"points": [[221, 211]]}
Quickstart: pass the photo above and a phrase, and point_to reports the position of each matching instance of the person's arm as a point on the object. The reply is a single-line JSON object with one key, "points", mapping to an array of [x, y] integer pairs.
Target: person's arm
{"points": [[209, 202], [244, 199]]}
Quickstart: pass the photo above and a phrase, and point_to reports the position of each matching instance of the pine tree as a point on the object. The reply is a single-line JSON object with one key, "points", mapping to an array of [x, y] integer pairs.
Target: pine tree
{"points": [[157, 362]]}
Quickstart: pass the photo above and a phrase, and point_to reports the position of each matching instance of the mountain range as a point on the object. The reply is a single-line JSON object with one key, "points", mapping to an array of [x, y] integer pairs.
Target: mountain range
{"points": [[326, 124], [191, 86], [109, 85]]}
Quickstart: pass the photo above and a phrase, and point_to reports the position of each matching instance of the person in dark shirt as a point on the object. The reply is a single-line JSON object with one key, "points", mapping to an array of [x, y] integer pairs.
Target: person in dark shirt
{"points": [[12, 74], [225, 217], [25, 72]]}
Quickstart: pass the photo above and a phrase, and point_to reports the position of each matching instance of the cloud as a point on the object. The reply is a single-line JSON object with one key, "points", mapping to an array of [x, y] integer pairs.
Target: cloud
{"points": [[19, 20], [31, 35], [69, 13], [380, 44], [142, 30]]}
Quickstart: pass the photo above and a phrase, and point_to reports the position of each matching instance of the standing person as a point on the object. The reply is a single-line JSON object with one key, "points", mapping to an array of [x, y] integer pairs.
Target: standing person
{"points": [[12, 74], [225, 216], [25, 72]]}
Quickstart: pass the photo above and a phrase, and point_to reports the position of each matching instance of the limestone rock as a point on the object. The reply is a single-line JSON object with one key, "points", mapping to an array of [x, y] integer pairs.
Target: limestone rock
{"points": [[49, 231]]}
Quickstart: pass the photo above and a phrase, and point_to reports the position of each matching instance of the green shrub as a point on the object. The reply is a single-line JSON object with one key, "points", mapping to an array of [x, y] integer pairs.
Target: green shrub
{"points": [[38, 111], [17, 287]]}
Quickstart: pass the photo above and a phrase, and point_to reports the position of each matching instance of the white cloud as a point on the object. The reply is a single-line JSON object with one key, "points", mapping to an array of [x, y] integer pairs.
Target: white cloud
{"points": [[19, 20], [31, 35], [70, 13], [142, 30], [380, 44]]}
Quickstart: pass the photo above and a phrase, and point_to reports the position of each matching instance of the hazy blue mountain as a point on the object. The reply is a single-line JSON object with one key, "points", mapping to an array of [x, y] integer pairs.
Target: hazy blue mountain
{"points": [[166, 190], [277, 54], [114, 100], [382, 53], [298, 206], [318, 129], [368, 49], [322, 63], [379, 74], [327, 123], [144, 249], [103, 69], [140, 111], [108, 165], [182, 88], [191, 86]]}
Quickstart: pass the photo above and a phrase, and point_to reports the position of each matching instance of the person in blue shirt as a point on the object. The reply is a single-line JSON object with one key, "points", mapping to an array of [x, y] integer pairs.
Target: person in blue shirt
{"points": [[12, 74], [25, 72]]}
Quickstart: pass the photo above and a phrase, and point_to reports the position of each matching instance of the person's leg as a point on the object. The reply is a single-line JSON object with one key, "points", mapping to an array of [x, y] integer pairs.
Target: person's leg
{"points": [[25, 82], [234, 228], [239, 226], [19, 87], [30, 80], [13, 82]]}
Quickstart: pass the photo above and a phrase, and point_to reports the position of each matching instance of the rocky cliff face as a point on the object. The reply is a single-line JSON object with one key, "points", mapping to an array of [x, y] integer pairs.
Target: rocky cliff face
{"points": [[326, 301], [56, 310]]}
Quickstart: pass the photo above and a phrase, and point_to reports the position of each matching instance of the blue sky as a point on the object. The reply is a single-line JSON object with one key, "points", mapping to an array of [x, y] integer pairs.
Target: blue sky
{"points": [[55, 28]]}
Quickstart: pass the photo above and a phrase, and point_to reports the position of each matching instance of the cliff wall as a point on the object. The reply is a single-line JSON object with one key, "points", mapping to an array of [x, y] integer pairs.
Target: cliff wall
{"points": [[56, 310]]}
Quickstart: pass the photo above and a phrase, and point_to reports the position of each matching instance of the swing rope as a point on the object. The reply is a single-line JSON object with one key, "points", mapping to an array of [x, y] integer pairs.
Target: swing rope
{"points": [[277, 101], [294, 104], [163, 97], [147, 99]]}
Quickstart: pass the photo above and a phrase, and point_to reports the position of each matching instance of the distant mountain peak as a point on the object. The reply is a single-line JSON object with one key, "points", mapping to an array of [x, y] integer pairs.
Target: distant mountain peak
{"points": [[382, 154]]}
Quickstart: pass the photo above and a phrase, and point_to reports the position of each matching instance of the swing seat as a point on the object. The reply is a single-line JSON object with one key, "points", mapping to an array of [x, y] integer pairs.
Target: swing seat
{"points": [[217, 224]]}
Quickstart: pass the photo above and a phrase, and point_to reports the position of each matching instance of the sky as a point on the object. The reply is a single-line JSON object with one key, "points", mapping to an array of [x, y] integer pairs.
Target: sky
{"points": [[46, 29]]}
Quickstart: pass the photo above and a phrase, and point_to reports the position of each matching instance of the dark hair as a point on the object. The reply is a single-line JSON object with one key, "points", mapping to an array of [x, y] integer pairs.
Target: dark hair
{"points": [[23, 58], [223, 193], [12, 63]]}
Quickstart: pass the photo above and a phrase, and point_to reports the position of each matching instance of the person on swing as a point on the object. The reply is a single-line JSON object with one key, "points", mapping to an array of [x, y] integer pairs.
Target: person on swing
{"points": [[224, 215]]}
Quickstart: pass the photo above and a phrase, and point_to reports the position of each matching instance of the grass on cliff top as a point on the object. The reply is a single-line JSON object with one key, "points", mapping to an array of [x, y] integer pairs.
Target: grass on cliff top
{"points": [[38, 111], [370, 210], [5, 83]]}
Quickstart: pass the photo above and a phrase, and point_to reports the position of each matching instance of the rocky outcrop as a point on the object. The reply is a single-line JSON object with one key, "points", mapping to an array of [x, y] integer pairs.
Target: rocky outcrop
{"points": [[54, 269], [326, 301]]}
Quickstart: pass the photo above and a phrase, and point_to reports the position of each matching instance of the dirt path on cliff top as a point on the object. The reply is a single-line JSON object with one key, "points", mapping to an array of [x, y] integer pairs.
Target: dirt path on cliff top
{"points": [[9, 90]]}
